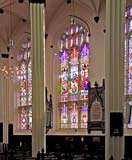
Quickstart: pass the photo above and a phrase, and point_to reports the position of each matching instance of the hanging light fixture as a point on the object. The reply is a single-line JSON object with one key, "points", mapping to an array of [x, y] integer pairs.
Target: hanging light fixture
{"points": [[8, 71], [11, 42]]}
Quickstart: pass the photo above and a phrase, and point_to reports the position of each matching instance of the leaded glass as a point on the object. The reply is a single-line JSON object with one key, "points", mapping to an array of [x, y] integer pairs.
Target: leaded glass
{"points": [[130, 67], [24, 78], [30, 118], [29, 83], [64, 117], [74, 79], [23, 85], [73, 73], [23, 119], [84, 115], [74, 116], [130, 13], [130, 25]]}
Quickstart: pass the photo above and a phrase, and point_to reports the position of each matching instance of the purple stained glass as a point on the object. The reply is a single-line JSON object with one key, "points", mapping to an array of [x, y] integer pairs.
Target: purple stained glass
{"points": [[131, 11], [84, 108], [84, 50], [130, 67], [130, 25], [64, 56], [64, 109], [74, 78]]}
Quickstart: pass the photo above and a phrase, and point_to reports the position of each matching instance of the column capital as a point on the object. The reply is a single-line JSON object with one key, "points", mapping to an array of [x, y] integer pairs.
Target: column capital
{"points": [[38, 1]]}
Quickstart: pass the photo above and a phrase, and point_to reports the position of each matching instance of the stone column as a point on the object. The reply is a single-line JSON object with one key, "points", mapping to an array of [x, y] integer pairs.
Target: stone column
{"points": [[37, 13], [114, 63], [5, 100]]}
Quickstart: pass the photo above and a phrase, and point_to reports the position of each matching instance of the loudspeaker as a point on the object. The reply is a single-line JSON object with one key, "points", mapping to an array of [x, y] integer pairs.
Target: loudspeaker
{"points": [[10, 134], [116, 124], [1, 132]]}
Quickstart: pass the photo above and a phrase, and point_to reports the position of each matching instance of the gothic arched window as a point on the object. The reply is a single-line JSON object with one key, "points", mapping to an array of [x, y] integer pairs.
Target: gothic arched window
{"points": [[73, 76], [128, 63], [24, 80]]}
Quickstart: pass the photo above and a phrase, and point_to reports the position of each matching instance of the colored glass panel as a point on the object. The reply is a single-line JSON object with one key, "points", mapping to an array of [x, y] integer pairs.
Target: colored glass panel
{"points": [[29, 83], [73, 77], [130, 13], [130, 25], [64, 117], [23, 85], [84, 53], [64, 83], [23, 119], [74, 56], [24, 78], [30, 118], [74, 116], [64, 60], [84, 116], [130, 67], [74, 80]]}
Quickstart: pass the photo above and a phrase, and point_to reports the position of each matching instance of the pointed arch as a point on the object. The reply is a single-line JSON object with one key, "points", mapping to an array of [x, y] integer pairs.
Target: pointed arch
{"points": [[74, 75]]}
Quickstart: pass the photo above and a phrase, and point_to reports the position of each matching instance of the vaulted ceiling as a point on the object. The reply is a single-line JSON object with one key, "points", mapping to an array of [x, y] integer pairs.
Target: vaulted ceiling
{"points": [[15, 18]]}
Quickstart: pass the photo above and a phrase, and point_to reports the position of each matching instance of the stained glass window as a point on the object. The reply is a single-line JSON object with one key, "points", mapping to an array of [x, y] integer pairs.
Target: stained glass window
{"points": [[84, 115], [23, 119], [74, 116], [64, 117], [24, 79], [128, 63], [130, 11], [130, 67], [74, 75], [130, 25], [128, 55]]}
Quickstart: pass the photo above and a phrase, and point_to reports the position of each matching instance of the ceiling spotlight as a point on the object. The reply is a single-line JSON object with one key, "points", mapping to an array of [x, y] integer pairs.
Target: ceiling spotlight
{"points": [[1, 11], [96, 19], [68, 1], [20, 1]]}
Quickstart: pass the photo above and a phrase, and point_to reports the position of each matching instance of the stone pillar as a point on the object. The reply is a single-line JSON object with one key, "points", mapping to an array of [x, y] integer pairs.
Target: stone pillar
{"points": [[114, 64], [37, 13], [5, 99]]}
